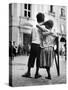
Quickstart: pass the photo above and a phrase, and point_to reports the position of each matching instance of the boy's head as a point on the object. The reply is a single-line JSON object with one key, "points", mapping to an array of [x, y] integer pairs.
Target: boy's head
{"points": [[40, 17]]}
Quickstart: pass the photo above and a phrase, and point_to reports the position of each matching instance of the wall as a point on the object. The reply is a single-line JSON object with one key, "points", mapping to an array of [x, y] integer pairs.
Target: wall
{"points": [[19, 23]]}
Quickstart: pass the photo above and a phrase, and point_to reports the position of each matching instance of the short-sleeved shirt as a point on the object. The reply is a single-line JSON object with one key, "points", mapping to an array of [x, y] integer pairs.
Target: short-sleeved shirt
{"points": [[37, 35]]}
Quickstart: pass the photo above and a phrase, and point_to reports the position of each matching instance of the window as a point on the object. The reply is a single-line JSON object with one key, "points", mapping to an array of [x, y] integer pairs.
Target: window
{"points": [[51, 8], [25, 13], [29, 6], [27, 10], [62, 28], [62, 12], [51, 11], [25, 6], [28, 14]]}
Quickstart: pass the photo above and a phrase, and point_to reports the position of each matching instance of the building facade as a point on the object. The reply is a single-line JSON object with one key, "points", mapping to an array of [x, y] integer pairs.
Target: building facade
{"points": [[22, 17]]}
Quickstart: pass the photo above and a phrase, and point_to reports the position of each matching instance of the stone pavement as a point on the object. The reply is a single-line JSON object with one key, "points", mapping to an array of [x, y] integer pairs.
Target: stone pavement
{"points": [[19, 67]]}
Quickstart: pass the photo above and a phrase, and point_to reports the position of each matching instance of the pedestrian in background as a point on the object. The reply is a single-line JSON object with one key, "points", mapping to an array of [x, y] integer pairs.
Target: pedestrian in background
{"points": [[14, 48], [11, 56]]}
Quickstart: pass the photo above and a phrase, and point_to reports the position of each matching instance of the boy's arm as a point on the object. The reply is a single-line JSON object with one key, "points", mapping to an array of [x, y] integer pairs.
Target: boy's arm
{"points": [[42, 28], [45, 31]]}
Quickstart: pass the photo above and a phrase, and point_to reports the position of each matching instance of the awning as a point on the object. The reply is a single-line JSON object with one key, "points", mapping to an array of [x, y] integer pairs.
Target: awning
{"points": [[26, 26]]}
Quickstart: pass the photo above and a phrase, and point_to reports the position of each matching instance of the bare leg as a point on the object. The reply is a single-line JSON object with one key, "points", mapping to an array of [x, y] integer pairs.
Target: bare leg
{"points": [[48, 71]]}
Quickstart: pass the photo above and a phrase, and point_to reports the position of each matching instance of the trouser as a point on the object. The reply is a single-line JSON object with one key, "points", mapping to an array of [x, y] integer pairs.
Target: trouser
{"points": [[34, 54]]}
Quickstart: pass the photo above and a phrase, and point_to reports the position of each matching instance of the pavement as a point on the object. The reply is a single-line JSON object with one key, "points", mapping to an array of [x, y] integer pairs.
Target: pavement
{"points": [[19, 67]]}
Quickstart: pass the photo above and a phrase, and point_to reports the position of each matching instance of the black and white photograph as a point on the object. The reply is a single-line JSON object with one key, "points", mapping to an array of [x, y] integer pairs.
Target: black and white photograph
{"points": [[37, 44]]}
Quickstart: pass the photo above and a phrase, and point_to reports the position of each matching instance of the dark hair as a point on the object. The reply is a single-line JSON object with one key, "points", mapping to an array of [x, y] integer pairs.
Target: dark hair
{"points": [[48, 24], [40, 17]]}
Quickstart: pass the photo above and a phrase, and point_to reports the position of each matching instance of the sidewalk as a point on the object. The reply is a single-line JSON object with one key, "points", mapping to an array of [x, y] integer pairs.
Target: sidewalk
{"points": [[19, 67]]}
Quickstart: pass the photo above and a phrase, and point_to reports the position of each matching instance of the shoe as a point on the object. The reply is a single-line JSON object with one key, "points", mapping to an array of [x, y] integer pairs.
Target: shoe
{"points": [[26, 75], [48, 78], [37, 76]]}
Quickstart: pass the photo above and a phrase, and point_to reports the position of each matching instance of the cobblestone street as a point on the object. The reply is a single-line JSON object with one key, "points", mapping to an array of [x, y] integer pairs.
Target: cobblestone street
{"points": [[19, 67]]}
